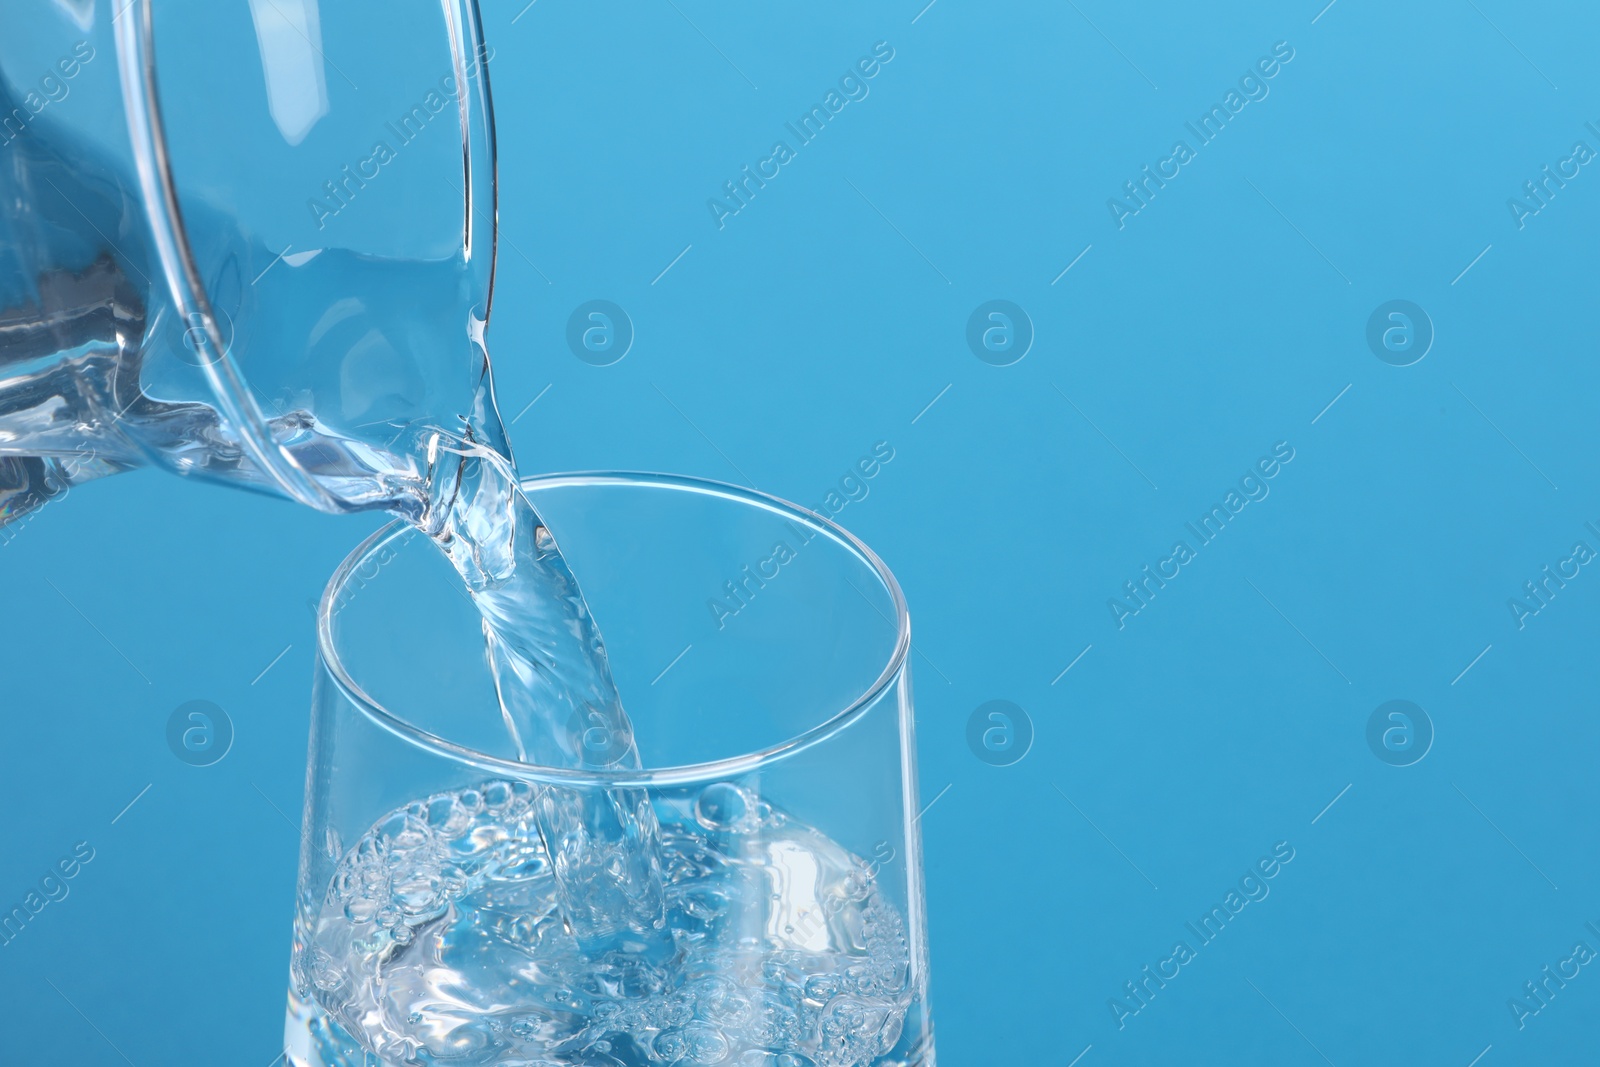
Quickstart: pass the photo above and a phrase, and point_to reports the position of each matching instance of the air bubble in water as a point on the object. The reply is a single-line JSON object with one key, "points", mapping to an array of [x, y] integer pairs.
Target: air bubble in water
{"points": [[671, 1045], [360, 911], [706, 1044], [496, 796], [725, 807]]}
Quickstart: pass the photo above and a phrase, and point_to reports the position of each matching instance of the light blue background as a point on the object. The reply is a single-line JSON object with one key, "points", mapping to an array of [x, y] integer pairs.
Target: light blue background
{"points": [[826, 316]]}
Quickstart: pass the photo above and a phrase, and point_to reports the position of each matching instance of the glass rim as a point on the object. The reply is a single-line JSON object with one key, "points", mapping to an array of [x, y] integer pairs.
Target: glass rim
{"points": [[733, 766]]}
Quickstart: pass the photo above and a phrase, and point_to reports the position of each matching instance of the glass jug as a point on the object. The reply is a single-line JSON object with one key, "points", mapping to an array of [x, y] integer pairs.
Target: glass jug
{"points": [[200, 264]]}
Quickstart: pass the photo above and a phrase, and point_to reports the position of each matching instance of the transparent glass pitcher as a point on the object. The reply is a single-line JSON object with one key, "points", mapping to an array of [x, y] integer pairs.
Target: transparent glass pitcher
{"points": [[251, 242]]}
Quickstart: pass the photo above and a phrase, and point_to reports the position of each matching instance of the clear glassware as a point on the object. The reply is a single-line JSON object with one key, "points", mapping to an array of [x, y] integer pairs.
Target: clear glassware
{"points": [[250, 242], [763, 655]]}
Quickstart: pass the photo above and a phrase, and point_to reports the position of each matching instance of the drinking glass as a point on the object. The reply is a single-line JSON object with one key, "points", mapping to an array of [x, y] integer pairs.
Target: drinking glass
{"points": [[761, 652]]}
